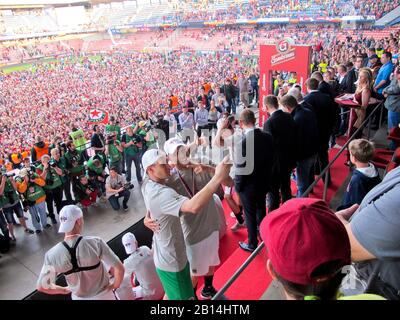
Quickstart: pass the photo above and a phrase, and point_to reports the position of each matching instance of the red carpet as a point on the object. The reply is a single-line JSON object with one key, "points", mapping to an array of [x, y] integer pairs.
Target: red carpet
{"points": [[339, 173], [254, 281]]}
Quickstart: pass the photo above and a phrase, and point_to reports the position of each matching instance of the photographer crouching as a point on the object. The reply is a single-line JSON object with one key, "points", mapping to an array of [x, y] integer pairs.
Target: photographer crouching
{"points": [[117, 187], [49, 171], [96, 171], [85, 191], [30, 185], [9, 202]]}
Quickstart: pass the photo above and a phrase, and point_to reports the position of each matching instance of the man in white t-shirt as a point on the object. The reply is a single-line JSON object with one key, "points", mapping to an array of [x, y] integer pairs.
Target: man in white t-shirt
{"points": [[84, 261], [202, 231], [139, 267], [166, 206]]}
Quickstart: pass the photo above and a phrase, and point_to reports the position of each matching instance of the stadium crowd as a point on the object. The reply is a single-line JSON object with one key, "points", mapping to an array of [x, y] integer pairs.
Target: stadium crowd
{"points": [[204, 11], [45, 128]]}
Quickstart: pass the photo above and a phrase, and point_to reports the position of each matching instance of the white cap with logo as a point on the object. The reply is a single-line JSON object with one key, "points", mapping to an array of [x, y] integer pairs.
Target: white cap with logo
{"points": [[172, 144], [129, 242], [68, 216], [150, 157]]}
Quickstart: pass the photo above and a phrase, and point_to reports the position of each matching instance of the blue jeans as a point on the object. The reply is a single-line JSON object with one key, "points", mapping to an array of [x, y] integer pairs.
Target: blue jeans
{"points": [[39, 215], [17, 209], [114, 200], [305, 174], [136, 159], [393, 121]]}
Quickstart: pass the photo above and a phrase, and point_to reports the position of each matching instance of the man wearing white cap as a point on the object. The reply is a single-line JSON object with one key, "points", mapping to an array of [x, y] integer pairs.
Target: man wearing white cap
{"points": [[201, 231], [139, 267], [82, 260], [166, 206]]}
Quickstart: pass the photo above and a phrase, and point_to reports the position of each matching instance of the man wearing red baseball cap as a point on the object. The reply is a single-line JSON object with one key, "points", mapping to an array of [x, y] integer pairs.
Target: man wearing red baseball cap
{"points": [[308, 248]]}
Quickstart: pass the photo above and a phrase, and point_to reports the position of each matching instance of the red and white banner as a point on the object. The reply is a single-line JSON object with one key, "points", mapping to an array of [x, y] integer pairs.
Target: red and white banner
{"points": [[97, 116], [283, 56]]}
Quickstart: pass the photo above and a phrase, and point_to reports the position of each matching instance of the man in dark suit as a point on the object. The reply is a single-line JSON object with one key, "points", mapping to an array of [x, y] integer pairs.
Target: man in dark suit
{"points": [[307, 141], [352, 75], [323, 86], [322, 106], [282, 128], [254, 160]]}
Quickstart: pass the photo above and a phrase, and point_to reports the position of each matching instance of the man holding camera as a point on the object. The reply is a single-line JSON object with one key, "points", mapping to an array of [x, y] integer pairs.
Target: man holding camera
{"points": [[85, 191], [132, 143], [10, 204], [74, 161], [97, 174], [30, 185], [51, 174], [60, 162], [117, 187], [114, 152]]}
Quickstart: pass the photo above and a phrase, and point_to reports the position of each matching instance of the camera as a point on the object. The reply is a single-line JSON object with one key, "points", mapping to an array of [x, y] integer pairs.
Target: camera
{"points": [[75, 159], [147, 127], [52, 163], [128, 186], [110, 138], [4, 172], [62, 146]]}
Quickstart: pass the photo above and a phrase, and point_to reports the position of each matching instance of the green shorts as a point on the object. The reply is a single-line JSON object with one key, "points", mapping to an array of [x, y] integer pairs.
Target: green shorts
{"points": [[177, 285]]}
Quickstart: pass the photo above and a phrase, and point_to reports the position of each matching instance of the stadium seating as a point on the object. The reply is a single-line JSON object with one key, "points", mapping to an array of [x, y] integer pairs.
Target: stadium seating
{"points": [[176, 12]]}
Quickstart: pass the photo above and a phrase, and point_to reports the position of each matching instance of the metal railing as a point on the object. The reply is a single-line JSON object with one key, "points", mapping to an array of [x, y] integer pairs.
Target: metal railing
{"points": [[324, 173]]}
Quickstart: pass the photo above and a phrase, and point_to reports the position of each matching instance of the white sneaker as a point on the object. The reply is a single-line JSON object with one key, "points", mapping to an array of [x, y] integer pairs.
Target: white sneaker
{"points": [[238, 226]]}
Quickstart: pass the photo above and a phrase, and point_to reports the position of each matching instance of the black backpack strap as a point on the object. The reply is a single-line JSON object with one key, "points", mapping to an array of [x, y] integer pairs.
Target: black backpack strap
{"points": [[74, 261], [72, 252]]}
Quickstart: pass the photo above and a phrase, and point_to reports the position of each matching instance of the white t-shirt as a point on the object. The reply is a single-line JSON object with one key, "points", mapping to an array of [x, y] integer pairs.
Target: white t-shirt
{"points": [[141, 264], [90, 251], [196, 227], [164, 205]]}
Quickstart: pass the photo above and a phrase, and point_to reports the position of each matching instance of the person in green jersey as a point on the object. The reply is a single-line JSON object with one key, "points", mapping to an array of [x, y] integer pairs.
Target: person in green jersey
{"points": [[114, 152], [96, 171], [49, 171]]}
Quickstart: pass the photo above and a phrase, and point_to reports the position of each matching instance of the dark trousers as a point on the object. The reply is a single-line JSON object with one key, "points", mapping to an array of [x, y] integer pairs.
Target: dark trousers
{"points": [[253, 202], [67, 189], [54, 196], [231, 105], [114, 200], [200, 128], [100, 186], [322, 159], [3, 225], [136, 160], [344, 120], [281, 187]]}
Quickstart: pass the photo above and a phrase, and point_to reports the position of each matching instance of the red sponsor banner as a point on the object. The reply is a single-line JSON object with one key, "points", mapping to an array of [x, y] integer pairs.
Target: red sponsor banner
{"points": [[282, 56], [97, 116]]}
